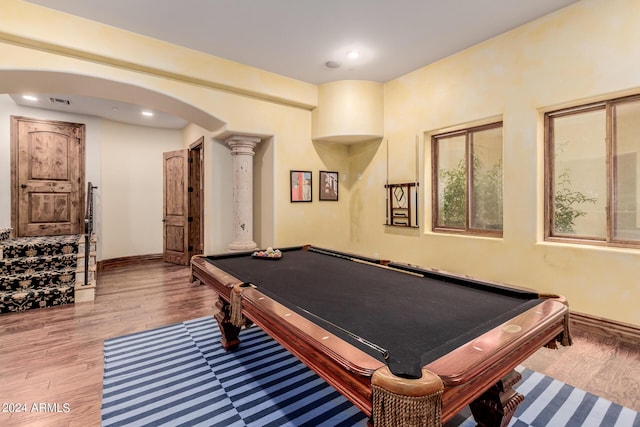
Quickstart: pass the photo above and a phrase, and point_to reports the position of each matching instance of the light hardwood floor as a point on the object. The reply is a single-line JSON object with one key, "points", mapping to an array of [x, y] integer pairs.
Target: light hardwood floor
{"points": [[54, 355]]}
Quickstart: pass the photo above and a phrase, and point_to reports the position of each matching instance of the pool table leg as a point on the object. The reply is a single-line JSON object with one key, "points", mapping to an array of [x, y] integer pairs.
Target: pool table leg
{"points": [[496, 406], [228, 330]]}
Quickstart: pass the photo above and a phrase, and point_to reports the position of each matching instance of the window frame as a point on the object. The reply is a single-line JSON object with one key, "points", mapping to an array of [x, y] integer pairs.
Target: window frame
{"points": [[468, 133], [611, 172]]}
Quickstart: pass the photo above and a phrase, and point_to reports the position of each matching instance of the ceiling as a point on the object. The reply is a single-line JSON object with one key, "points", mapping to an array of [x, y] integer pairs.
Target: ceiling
{"points": [[108, 109], [297, 38]]}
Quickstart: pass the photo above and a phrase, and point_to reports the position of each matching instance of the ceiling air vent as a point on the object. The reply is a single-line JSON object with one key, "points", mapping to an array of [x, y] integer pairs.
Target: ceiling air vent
{"points": [[59, 101]]}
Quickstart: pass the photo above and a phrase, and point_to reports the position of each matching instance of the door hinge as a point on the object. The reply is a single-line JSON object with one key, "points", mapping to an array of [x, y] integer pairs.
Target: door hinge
{"points": [[190, 248], [190, 219], [190, 189], [190, 160]]}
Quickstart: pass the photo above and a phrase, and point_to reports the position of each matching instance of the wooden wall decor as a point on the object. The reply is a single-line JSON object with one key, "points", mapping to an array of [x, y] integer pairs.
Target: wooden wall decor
{"points": [[402, 199], [402, 204]]}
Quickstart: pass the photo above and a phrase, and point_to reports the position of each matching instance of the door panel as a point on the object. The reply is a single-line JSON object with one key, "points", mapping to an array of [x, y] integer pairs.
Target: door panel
{"points": [[175, 206], [175, 238], [47, 177], [49, 208]]}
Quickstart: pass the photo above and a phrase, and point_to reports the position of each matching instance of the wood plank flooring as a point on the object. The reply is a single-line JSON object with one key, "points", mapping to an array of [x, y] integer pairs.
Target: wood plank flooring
{"points": [[53, 356]]}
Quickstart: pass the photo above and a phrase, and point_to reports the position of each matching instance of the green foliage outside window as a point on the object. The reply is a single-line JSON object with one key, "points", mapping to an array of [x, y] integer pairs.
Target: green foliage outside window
{"points": [[453, 199], [565, 199], [487, 193]]}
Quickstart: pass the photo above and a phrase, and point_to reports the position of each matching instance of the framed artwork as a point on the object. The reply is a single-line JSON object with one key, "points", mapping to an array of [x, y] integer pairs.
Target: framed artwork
{"points": [[300, 186], [328, 185]]}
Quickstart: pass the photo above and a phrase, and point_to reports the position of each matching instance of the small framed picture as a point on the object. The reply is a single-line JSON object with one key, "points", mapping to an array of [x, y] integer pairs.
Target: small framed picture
{"points": [[300, 186], [328, 186]]}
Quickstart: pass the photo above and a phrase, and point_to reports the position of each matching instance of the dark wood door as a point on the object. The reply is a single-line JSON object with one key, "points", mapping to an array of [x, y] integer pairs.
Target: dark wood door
{"points": [[176, 207], [196, 197], [47, 165]]}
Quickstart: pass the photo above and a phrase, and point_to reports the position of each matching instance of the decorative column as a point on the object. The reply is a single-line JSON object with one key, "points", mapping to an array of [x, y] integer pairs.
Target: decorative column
{"points": [[242, 154]]}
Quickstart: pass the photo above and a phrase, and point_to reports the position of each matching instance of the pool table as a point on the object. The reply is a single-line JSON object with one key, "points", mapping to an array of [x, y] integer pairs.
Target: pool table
{"points": [[407, 345]]}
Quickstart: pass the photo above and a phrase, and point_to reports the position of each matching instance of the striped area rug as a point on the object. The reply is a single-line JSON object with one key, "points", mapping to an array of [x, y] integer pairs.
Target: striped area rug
{"points": [[179, 375]]}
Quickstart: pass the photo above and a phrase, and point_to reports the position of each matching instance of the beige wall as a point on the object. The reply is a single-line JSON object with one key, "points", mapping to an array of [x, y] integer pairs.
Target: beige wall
{"points": [[131, 190], [584, 52], [349, 111], [587, 51]]}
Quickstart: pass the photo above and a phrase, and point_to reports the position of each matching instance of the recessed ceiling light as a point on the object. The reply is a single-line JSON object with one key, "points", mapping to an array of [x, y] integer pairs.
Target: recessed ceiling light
{"points": [[147, 113], [29, 97], [353, 54]]}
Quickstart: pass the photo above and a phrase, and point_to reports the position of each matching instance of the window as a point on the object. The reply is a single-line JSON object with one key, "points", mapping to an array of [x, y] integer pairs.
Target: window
{"points": [[592, 173], [467, 180]]}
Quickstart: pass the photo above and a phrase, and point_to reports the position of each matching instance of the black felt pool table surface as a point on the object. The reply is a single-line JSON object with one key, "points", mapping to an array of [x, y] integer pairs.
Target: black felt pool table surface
{"points": [[415, 319]]}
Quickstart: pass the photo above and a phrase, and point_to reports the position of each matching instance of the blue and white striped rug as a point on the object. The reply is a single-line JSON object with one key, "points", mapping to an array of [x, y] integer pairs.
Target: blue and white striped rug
{"points": [[179, 375]]}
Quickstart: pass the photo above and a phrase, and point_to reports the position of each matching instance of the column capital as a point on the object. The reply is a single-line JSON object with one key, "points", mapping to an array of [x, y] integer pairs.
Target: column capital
{"points": [[242, 144]]}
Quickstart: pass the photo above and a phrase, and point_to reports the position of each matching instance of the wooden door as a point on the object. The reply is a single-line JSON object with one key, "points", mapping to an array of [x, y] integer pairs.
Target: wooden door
{"points": [[47, 176], [176, 207], [196, 197]]}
